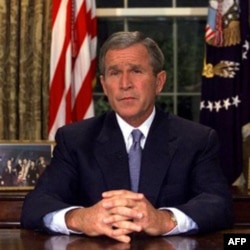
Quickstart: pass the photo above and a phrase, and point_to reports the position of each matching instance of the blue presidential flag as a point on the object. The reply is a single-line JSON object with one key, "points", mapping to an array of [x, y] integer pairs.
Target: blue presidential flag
{"points": [[225, 97]]}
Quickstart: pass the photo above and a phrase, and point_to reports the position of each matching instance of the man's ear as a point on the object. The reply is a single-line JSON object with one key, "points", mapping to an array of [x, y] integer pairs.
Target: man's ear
{"points": [[161, 80], [102, 81]]}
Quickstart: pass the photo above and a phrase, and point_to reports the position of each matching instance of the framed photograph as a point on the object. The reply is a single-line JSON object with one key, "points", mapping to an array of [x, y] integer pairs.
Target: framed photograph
{"points": [[22, 163]]}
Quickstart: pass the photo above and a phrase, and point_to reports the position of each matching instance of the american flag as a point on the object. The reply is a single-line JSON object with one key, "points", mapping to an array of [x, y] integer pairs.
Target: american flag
{"points": [[225, 99], [72, 63]]}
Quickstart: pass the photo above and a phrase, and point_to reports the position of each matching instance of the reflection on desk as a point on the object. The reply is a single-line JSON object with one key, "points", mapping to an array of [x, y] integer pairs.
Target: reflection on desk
{"points": [[15, 239], [157, 243]]}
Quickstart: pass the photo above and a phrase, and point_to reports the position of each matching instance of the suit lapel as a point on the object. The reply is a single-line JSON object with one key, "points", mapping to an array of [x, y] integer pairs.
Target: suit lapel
{"points": [[112, 158], [158, 152], [110, 152]]}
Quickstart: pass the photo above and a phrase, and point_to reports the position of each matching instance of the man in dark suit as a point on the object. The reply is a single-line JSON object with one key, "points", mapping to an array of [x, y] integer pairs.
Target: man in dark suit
{"points": [[87, 187]]}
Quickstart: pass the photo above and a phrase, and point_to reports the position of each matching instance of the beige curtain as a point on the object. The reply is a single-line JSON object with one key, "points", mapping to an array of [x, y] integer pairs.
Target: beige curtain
{"points": [[24, 69]]}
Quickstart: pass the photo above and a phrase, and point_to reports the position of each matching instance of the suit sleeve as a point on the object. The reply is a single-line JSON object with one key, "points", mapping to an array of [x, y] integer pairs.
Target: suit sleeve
{"points": [[211, 204], [56, 188]]}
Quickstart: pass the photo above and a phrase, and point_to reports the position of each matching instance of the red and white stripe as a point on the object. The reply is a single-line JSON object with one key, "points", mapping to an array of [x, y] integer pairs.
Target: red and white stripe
{"points": [[73, 62], [209, 33]]}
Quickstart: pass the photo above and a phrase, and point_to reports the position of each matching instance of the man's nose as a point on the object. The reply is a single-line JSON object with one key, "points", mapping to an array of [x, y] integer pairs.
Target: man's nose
{"points": [[126, 81]]}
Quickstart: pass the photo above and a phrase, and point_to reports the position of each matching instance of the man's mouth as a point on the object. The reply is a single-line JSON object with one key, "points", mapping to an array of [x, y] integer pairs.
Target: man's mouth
{"points": [[127, 98]]}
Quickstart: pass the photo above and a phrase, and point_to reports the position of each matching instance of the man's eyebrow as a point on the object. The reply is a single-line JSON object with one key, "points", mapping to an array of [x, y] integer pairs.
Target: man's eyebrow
{"points": [[131, 66], [137, 66], [112, 67]]}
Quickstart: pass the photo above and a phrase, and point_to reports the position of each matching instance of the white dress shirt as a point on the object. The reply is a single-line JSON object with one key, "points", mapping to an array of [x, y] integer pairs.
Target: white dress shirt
{"points": [[55, 221]]}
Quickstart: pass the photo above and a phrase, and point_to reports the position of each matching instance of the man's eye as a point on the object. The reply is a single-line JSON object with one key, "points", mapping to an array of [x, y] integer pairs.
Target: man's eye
{"points": [[137, 71], [114, 73]]}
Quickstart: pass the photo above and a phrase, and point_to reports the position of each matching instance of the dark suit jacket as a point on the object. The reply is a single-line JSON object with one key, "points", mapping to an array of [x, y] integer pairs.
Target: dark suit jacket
{"points": [[179, 169]]}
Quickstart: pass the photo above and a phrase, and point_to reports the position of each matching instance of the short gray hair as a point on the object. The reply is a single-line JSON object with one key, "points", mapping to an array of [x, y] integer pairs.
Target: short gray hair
{"points": [[120, 40]]}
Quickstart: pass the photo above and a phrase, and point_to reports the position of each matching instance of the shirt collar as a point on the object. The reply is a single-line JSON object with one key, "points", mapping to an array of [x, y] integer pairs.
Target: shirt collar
{"points": [[127, 129]]}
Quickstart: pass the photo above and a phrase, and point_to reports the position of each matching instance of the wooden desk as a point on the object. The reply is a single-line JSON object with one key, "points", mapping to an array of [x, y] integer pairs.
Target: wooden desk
{"points": [[11, 205], [241, 206], [24, 239]]}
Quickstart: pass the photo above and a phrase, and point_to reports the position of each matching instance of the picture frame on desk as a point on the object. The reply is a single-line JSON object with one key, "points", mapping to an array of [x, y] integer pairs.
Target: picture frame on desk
{"points": [[22, 163]]}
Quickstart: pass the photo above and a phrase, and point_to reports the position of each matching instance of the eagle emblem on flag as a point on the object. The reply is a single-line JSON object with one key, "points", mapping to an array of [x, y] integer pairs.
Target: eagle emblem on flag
{"points": [[223, 25], [222, 30]]}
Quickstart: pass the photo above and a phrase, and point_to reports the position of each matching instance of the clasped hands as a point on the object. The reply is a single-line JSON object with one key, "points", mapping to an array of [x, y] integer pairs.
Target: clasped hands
{"points": [[118, 214]]}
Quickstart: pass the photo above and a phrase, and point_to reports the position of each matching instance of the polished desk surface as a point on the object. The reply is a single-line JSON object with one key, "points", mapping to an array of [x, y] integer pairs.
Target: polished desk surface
{"points": [[19, 239]]}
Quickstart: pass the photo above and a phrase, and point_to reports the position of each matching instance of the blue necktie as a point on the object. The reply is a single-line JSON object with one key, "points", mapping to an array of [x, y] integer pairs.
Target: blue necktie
{"points": [[135, 159]]}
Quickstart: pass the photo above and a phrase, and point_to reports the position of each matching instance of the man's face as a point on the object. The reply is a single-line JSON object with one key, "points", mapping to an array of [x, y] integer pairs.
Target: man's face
{"points": [[130, 84]]}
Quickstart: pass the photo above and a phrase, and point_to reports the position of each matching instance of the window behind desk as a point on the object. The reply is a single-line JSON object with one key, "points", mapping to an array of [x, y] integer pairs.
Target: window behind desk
{"points": [[178, 27]]}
